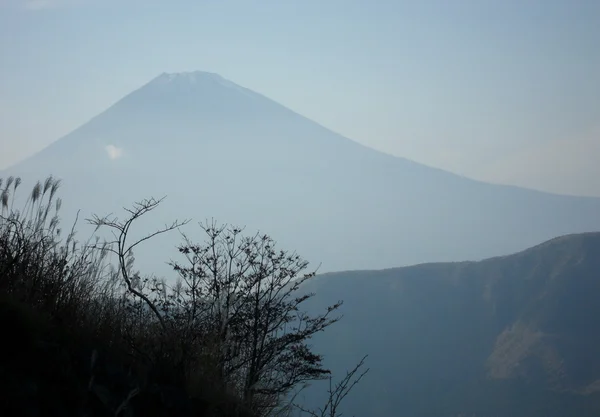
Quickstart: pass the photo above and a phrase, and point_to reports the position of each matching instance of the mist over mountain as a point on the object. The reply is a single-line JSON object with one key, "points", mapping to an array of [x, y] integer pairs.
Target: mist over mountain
{"points": [[507, 336], [219, 150]]}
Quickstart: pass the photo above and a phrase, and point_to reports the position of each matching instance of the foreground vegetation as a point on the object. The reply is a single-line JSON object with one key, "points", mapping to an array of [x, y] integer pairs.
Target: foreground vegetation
{"points": [[89, 335]]}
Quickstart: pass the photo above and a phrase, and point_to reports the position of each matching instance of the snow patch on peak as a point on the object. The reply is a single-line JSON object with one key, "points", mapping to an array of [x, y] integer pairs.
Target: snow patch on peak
{"points": [[196, 78], [192, 77]]}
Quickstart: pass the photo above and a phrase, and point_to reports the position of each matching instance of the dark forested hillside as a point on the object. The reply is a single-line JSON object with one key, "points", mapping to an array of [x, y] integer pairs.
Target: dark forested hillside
{"points": [[511, 336]]}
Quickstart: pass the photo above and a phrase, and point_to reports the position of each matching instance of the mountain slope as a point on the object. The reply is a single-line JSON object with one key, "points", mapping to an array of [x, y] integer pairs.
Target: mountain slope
{"points": [[508, 336], [219, 150]]}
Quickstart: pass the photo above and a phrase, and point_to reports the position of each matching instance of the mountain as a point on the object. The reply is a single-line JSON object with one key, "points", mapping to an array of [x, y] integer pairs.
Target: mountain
{"points": [[515, 335], [219, 150]]}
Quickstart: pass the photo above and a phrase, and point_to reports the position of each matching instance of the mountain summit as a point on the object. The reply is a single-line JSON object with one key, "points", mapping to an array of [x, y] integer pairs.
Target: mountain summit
{"points": [[190, 78], [220, 150]]}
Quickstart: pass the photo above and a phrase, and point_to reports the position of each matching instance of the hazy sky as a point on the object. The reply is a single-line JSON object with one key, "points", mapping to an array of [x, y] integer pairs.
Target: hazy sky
{"points": [[506, 91]]}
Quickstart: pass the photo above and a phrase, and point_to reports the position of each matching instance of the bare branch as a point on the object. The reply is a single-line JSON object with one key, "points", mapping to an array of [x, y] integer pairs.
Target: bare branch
{"points": [[123, 251], [247, 293], [337, 393]]}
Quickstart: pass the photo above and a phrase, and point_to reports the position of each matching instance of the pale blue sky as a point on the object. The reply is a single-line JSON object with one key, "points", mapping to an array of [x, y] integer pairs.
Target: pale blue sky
{"points": [[506, 91]]}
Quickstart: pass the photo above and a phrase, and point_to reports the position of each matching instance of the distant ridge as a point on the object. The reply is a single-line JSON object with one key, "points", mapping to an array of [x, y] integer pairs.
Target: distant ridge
{"points": [[506, 336]]}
